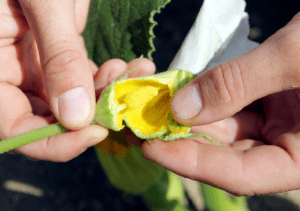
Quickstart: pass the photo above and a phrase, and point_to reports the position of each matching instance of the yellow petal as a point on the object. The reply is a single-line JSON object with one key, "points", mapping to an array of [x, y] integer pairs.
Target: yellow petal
{"points": [[138, 98], [147, 104], [152, 118]]}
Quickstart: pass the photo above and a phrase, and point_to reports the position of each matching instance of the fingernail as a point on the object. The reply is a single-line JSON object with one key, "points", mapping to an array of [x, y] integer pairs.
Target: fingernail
{"points": [[74, 105], [186, 103]]}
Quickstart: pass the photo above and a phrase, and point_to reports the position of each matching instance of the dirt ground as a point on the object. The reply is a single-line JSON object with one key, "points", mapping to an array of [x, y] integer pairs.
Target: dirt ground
{"points": [[80, 184]]}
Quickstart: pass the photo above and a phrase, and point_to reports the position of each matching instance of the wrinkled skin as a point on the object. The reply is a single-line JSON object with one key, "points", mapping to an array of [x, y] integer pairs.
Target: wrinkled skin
{"points": [[262, 141], [42, 56]]}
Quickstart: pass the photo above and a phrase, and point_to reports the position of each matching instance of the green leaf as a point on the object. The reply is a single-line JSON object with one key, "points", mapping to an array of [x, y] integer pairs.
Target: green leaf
{"points": [[121, 29]]}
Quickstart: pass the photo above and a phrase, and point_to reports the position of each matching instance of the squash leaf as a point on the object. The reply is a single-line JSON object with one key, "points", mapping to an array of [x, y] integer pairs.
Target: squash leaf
{"points": [[121, 29]]}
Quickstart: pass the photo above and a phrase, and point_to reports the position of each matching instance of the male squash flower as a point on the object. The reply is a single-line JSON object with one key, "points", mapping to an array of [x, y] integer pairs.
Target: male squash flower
{"points": [[144, 105]]}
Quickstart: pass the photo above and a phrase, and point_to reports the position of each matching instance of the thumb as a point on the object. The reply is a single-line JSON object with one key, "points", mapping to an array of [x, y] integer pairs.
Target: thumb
{"points": [[68, 80], [227, 88]]}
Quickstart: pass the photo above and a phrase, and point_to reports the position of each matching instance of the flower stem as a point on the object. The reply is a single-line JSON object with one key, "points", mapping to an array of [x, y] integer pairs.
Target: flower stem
{"points": [[32, 136], [41, 133]]}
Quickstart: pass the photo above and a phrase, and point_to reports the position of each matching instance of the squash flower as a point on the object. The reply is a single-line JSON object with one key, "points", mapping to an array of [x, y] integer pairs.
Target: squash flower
{"points": [[143, 104]]}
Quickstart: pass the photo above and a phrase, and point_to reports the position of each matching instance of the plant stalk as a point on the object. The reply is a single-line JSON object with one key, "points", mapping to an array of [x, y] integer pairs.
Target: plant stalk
{"points": [[32, 136]]}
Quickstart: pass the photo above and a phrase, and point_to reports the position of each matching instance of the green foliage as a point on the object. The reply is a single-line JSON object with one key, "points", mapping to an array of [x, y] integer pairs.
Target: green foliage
{"points": [[165, 194], [121, 29], [216, 199]]}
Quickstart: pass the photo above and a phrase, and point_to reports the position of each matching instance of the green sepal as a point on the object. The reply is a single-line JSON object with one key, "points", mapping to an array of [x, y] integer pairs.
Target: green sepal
{"points": [[172, 137], [143, 136], [130, 173], [105, 105], [173, 125], [175, 74], [182, 78], [107, 108]]}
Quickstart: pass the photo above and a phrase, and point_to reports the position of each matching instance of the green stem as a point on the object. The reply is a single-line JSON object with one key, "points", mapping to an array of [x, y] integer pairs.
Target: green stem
{"points": [[45, 132], [32, 136], [218, 200]]}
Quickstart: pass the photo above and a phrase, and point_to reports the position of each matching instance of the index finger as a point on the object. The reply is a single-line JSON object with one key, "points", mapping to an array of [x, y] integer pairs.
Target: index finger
{"points": [[17, 118], [259, 170]]}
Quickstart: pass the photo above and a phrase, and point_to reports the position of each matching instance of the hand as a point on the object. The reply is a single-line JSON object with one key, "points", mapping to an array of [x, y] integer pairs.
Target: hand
{"points": [[43, 70], [262, 141], [43, 58], [114, 68]]}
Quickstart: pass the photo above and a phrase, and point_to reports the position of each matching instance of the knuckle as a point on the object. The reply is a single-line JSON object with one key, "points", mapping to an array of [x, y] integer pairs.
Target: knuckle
{"points": [[227, 82], [64, 61], [287, 51]]}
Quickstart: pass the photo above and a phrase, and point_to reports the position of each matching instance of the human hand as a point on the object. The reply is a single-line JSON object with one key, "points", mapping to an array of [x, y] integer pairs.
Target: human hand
{"points": [[42, 57], [261, 153], [44, 70]]}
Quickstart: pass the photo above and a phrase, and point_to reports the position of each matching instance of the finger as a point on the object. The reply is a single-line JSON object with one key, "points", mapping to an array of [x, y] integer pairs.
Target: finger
{"points": [[81, 14], [227, 88], [20, 65], [38, 105], [10, 70], [65, 146], [239, 172], [108, 72], [67, 75], [281, 113], [114, 68], [13, 23], [243, 125], [93, 67], [246, 144], [146, 67], [17, 118]]}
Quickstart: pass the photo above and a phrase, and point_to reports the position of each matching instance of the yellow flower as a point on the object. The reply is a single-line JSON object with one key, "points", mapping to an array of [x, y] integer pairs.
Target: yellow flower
{"points": [[143, 104]]}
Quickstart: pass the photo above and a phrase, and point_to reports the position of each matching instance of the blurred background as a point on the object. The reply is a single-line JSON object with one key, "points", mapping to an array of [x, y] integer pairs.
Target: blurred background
{"points": [[265, 18], [80, 184]]}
